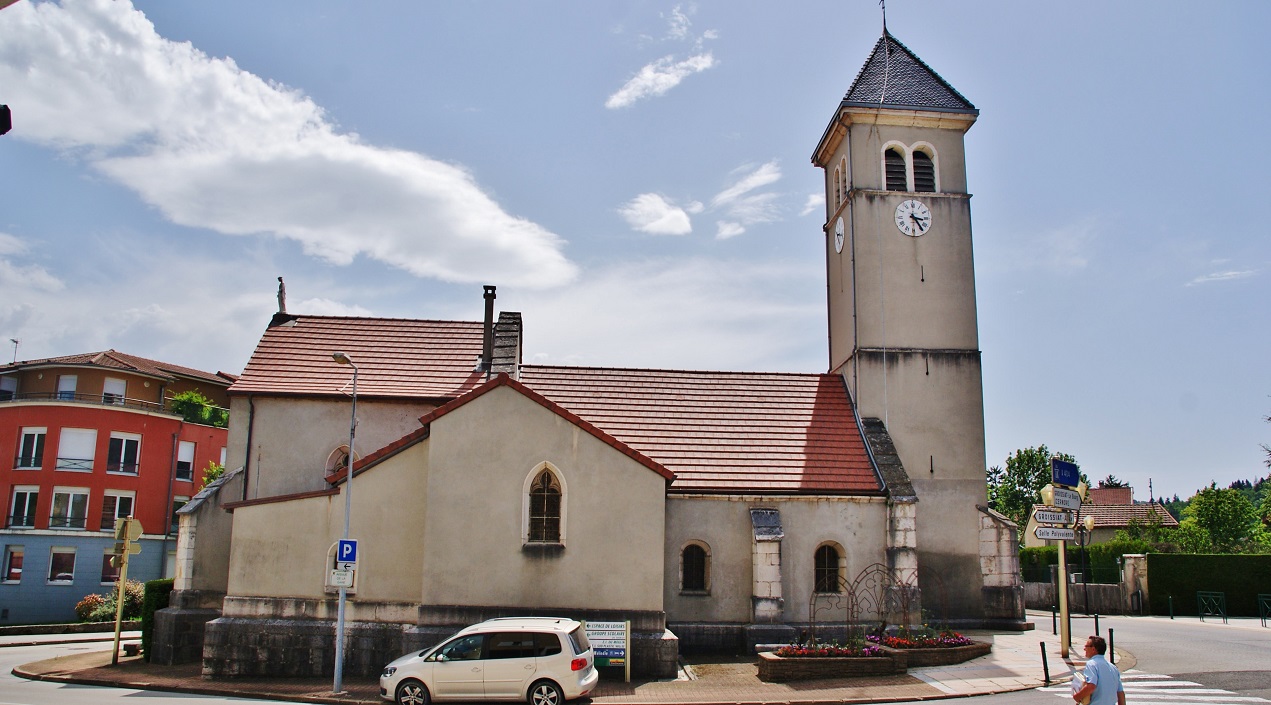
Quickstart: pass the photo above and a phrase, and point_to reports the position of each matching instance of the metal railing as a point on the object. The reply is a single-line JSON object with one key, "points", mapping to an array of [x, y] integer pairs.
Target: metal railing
{"points": [[82, 464], [67, 522], [20, 521], [28, 462], [96, 399], [121, 467]]}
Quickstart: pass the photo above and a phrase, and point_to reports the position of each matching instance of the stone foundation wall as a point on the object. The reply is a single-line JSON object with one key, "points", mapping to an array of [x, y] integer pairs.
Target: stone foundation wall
{"points": [[774, 669], [178, 635]]}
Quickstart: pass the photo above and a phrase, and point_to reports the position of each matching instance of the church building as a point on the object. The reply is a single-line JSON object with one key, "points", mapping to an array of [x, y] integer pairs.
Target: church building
{"points": [[712, 510]]}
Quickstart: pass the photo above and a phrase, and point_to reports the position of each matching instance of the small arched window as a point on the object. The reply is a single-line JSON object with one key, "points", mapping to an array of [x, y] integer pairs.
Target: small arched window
{"points": [[544, 514], [924, 173], [338, 460], [894, 167], [828, 569], [695, 568], [838, 198]]}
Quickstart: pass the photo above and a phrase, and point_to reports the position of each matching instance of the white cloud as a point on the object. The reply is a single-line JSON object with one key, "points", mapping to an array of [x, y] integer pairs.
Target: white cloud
{"points": [[657, 78], [10, 245], [212, 146], [678, 22], [685, 314], [651, 213], [1221, 277], [816, 201], [726, 229]]}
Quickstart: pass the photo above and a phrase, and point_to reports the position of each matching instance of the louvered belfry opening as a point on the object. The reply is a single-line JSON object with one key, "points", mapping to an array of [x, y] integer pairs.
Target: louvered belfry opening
{"points": [[924, 173], [894, 163]]}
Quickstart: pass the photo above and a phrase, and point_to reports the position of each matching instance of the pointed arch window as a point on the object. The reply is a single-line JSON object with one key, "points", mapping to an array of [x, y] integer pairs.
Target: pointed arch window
{"points": [[924, 173], [894, 168], [545, 509]]}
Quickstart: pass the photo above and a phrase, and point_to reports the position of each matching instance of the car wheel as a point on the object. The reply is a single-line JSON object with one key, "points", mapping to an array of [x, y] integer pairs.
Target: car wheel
{"points": [[546, 693], [412, 692]]}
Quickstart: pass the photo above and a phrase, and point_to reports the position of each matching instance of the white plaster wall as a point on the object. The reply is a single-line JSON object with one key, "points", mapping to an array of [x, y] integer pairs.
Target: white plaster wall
{"points": [[479, 458], [858, 524], [292, 438]]}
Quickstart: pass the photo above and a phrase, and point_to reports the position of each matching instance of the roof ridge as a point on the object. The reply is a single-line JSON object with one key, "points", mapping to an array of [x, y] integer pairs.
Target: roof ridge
{"points": [[677, 371]]}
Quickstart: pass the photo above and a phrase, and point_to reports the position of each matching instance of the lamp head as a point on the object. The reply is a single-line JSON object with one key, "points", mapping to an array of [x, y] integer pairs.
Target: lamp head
{"points": [[1047, 494], [1089, 522], [341, 358]]}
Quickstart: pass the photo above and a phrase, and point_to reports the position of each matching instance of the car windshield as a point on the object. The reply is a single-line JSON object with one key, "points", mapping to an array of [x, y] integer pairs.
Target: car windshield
{"points": [[578, 640]]}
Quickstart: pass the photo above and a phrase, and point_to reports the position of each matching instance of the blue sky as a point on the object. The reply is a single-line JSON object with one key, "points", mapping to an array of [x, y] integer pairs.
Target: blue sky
{"points": [[635, 179]]}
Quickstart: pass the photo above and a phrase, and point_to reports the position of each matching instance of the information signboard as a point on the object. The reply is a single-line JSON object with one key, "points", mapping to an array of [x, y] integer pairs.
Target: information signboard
{"points": [[1067, 499], [1051, 516], [1054, 533], [610, 644], [1063, 472]]}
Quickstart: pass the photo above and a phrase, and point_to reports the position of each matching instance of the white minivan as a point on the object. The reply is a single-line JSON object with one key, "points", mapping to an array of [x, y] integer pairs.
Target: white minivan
{"points": [[540, 660]]}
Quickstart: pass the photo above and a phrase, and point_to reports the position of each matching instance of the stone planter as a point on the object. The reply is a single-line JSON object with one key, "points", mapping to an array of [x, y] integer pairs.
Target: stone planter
{"points": [[775, 669], [944, 656]]}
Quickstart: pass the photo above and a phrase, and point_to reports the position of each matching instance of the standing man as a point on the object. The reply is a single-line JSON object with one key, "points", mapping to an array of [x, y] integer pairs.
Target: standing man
{"points": [[1103, 680]]}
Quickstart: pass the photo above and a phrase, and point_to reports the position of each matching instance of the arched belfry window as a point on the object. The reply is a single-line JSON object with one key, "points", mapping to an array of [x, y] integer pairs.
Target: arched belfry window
{"points": [[894, 169], [828, 569], [545, 509], [338, 460], [924, 172]]}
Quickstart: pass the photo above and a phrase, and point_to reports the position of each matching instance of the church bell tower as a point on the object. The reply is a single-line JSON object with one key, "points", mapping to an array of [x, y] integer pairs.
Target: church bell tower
{"points": [[901, 300]]}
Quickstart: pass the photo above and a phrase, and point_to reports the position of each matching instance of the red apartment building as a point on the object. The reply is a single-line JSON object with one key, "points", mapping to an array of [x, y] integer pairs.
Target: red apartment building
{"points": [[84, 440]]}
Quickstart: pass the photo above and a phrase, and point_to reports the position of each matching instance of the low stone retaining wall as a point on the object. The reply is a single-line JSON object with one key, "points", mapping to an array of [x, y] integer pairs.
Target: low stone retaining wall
{"points": [[70, 628], [943, 656], [775, 669]]}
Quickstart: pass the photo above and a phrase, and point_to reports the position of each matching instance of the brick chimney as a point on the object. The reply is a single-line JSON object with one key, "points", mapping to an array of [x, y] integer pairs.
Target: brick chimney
{"points": [[487, 341]]}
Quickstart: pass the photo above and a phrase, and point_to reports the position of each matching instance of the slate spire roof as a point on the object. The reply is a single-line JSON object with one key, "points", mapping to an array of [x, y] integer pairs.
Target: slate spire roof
{"points": [[894, 77]]}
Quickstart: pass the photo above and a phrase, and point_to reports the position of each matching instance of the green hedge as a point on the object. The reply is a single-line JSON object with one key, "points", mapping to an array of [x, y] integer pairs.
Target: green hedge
{"points": [[1182, 575], [156, 598], [1103, 560]]}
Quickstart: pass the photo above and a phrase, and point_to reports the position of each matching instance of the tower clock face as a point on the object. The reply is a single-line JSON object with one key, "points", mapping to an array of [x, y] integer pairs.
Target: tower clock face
{"points": [[913, 218], [838, 236]]}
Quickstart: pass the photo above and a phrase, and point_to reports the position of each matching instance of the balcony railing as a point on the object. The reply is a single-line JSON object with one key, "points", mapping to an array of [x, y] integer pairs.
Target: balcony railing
{"points": [[28, 462], [80, 464], [211, 415], [67, 522], [20, 521], [125, 468]]}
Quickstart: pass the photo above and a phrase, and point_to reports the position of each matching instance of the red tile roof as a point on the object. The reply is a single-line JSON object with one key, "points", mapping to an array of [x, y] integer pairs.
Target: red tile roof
{"points": [[724, 432], [501, 380], [397, 358], [1116, 516], [114, 359]]}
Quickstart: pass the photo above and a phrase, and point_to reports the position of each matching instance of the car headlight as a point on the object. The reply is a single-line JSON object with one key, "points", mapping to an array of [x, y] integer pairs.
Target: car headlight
{"points": [[388, 672]]}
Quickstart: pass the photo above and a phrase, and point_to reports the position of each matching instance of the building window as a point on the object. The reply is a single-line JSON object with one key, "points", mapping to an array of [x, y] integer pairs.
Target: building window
{"points": [[8, 388], [115, 505], [177, 503], [122, 454], [110, 573], [894, 168], [31, 449], [13, 564], [924, 172], [76, 448], [828, 569], [185, 460], [22, 509], [695, 569], [113, 391], [545, 509], [66, 386], [61, 564], [70, 508]]}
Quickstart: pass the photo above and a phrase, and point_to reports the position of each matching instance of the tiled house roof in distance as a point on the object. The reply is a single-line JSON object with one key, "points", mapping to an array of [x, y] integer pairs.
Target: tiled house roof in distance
{"points": [[724, 432], [398, 358], [114, 359], [894, 77], [1116, 516]]}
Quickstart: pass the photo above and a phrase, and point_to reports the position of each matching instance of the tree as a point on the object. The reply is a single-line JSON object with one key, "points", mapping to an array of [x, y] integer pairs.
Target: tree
{"points": [[212, 472], [1226, 515], [1112, 481], [196, 408], [1265, 447], [1013, 489]]}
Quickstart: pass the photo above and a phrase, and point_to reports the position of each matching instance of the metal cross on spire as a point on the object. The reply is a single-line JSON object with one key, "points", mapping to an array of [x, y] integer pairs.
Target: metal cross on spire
{"points": [[882, 4]]}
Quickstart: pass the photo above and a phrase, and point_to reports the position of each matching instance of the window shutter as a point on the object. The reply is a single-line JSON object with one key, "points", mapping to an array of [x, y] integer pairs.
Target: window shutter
{"points": [[894, 163], [924, 173]]}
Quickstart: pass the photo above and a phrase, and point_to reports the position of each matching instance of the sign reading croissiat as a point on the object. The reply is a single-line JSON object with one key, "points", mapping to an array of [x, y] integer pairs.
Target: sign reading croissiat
{"points": [[1050, 516]]}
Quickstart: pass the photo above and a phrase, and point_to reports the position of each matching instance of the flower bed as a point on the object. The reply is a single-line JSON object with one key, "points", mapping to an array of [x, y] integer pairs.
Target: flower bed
{"points": [[799, 662], [929, 648]]}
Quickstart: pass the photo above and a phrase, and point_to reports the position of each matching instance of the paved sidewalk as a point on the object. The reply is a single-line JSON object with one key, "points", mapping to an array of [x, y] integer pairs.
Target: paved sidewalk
{"points": [[1015, 664]]}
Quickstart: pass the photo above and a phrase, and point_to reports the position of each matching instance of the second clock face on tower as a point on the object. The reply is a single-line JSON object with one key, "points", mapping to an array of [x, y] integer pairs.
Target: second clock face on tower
{"points": [[913, 218]]}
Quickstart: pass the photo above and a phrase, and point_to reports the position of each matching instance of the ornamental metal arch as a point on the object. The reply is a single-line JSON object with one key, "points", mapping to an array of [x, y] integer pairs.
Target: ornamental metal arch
{"points": [[875, 598]]}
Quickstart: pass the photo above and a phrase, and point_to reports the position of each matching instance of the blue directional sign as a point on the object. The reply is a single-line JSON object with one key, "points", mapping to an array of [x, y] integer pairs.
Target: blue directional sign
{"points": [[346, 551], [1063, 472]]}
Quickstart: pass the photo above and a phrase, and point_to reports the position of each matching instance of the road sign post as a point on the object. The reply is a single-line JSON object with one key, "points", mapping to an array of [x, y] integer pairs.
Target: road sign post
{"points": [[127, 530]]}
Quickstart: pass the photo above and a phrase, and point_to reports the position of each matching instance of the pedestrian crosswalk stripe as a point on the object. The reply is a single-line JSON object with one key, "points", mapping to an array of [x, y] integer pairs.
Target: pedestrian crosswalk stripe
{"points": [[1158, 689]]}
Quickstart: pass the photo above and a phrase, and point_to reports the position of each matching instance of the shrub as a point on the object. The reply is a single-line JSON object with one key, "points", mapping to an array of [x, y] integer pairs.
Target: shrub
{"points": [[921, 638], [157, 593], [814, 649], [101, 608]]}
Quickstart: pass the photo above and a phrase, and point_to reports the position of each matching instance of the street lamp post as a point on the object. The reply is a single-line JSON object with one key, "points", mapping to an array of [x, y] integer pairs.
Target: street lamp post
{"points": [[338, 686], [1084, 530]]}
